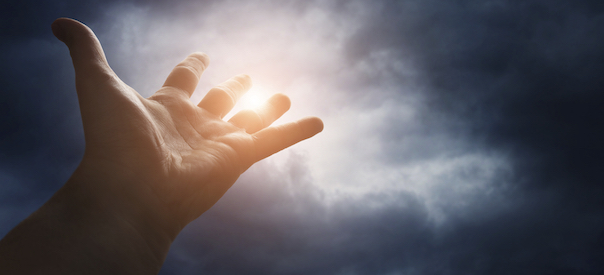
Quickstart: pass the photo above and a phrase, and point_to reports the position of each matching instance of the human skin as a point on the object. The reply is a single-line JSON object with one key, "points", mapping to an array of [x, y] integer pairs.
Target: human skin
{"points": [[151, 166]]}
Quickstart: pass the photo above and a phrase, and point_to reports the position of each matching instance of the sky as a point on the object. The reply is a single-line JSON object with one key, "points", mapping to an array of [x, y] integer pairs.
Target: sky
{"points": [[461, 137]]}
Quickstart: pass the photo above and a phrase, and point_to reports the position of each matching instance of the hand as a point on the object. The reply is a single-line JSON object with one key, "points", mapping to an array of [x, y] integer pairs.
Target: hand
{"points": [[150, 165], [163, 153]]}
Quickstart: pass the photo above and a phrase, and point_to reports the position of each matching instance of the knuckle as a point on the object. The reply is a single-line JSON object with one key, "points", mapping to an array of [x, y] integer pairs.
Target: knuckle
{"points": [[185, 68]]}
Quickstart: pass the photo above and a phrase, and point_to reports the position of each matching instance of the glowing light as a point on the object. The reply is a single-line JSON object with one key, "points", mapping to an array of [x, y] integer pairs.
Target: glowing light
{"points": [[253, 99]]}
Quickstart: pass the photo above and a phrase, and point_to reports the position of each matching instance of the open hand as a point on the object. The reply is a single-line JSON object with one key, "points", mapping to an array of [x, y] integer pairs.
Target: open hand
{"points": [[163, 160]]}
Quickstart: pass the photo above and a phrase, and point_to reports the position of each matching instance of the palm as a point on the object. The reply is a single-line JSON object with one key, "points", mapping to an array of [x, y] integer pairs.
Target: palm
{"points": [[177, 156], [201, 155]]}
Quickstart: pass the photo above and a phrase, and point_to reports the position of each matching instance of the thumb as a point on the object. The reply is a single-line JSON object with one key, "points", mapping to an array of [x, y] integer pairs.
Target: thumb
{"points": [[85, 49], [95, 80], [94, 77]]}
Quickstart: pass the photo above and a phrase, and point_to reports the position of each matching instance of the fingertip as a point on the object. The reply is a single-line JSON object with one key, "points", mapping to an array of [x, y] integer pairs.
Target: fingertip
{"points": [[246, 77], [245, 80], [281, 101], [57, 28], [312, 125], [70, 30], [202, 57]]}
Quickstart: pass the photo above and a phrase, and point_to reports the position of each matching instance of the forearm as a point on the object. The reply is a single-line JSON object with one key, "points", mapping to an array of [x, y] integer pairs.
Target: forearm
{"points": [[77, 232]]}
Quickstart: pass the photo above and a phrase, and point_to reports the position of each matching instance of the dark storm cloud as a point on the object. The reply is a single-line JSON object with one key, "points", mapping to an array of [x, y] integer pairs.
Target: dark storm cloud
{"points": [[527, 76], [39, 125], [26, 19], [519, 77], [280, 226], [524, 78]]}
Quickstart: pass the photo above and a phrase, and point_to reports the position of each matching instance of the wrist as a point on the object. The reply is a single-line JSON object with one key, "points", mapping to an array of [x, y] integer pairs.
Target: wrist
{"points": [[90, 226], [74, 233], [126, 218]]}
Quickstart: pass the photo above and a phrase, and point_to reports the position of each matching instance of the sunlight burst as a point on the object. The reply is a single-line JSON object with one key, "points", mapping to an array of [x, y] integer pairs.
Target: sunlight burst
{"points": [[253, 99]]}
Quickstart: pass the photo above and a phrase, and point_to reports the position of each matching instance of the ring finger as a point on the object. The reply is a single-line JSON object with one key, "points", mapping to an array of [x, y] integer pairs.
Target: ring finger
{"points": [[256, 120]]}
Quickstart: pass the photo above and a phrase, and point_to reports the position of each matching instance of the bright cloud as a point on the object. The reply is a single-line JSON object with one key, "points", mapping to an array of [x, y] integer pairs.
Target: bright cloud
{"points": [[300, 51]]}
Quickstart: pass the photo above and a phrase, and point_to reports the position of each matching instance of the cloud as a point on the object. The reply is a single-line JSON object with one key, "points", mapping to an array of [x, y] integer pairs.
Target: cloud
{"points": [[40, 120], [461, 137], [277, 221]]}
